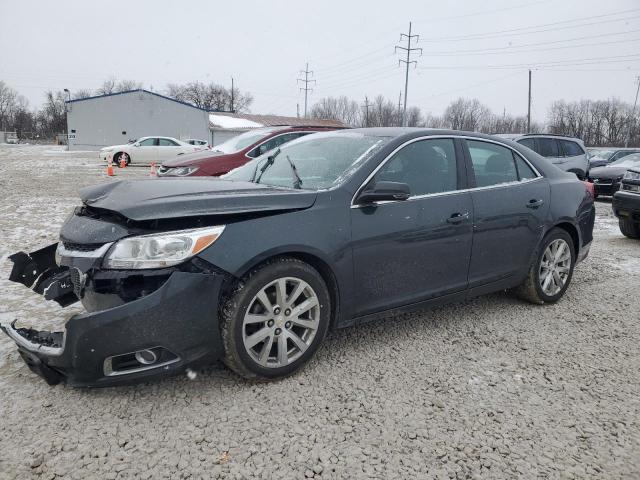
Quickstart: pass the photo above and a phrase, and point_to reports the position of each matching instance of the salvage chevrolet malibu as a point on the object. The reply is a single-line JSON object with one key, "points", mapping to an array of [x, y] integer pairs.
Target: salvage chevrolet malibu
{"points": [[329, 230]]}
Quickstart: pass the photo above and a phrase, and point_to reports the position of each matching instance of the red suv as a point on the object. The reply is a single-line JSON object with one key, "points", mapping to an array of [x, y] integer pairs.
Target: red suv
{"points": [[235, 152]]}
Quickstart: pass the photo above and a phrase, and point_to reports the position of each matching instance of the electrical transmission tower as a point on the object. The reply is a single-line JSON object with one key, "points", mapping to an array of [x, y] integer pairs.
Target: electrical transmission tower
{"points": [[409, 50], [306, 80], [631, 118]]}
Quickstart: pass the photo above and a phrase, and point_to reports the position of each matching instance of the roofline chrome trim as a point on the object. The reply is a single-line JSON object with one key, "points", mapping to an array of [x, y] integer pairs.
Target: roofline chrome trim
{"points": [[452, 137]]}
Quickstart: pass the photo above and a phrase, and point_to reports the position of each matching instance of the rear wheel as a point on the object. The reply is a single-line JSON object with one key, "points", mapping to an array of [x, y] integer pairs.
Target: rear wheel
{"points": [[629, 228], [551, 271], [275, 320]]}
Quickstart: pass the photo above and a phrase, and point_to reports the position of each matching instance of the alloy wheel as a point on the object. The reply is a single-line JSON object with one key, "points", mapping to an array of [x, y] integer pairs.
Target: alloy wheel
{"points": [[555, 267], [281, 322]]}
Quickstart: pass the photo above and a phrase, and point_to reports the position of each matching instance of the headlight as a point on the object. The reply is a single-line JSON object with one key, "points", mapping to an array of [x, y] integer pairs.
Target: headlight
{"points": [[631, 175], [181, 171], [161, 249]]}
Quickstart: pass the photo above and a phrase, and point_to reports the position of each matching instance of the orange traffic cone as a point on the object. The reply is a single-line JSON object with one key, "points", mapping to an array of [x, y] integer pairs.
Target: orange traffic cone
{"points": [[110, 168], [123, 162], [153, 172]]}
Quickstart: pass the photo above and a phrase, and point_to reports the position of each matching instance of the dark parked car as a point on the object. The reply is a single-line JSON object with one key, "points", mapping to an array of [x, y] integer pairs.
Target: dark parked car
{"points": [[626, 204], [328, 230], [606, 156], [606, 180], [235, 152]]}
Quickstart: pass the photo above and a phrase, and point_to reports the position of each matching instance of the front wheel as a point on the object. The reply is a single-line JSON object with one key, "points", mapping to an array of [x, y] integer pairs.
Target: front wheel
{"points": [[629, 228], [275, 320], [122, 156], [551, 271]]}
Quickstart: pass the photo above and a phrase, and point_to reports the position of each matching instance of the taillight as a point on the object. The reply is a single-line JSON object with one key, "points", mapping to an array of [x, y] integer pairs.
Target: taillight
{"points": [[590, 188]]}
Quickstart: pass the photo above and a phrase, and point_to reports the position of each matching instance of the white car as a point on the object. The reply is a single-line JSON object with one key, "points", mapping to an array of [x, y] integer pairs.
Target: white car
{"points": [[148, 150], [197, 142]]}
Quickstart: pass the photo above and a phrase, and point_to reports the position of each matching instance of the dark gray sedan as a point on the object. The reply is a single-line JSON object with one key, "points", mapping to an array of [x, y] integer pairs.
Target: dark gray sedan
{"points": [[606, 180], [329, 230]]}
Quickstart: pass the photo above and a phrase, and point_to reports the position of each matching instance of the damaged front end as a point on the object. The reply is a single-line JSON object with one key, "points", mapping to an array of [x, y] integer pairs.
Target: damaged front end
{"points": [[138, 324]]}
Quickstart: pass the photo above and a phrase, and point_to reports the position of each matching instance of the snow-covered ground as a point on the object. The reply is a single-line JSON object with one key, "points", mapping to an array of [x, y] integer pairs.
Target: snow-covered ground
{"points": [[492, 388]]}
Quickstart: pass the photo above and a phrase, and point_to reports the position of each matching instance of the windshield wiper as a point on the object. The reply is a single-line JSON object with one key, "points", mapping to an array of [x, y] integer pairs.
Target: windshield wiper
{"points": [[297, 180], [270, 159]]}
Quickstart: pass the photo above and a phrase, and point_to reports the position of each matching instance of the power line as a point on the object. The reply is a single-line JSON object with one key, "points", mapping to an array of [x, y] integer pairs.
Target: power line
{"points": [[306, 88], [409, 50], [522, 30]]}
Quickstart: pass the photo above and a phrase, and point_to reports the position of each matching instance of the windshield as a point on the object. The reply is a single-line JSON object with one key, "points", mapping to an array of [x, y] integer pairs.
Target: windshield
{"points": [[601, 154], [242, 141], [628, 161], [314, 162]]}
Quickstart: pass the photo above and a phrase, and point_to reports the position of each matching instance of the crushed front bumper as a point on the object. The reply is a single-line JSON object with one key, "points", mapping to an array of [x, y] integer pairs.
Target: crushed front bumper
{"points": [[177, 323]]}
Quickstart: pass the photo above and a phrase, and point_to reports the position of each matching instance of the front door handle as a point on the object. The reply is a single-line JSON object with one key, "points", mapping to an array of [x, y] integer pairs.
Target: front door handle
{"points": [[533, 203], [458, 217]]}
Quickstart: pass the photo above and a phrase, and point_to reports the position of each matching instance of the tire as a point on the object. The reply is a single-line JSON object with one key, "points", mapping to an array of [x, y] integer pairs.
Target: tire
{"points": [[271, 328], [629, 228], [116, 158], [532, 289]]}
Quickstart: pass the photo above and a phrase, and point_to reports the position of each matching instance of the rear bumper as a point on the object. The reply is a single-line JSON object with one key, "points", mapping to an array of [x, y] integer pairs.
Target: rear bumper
{"points": [[626, 205], [178, 321], [607, 189]]}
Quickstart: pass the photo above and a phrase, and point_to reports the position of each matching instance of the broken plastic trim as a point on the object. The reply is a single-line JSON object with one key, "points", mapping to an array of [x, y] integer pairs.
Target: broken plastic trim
{"points": [[49, 343]]}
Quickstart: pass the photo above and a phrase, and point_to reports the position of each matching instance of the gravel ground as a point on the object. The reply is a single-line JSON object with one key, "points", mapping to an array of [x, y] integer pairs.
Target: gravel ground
{"points": [[493, 388]]}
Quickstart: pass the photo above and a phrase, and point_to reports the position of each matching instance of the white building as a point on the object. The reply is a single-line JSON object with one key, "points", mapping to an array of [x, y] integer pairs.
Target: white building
{"points": [[113, 119]]}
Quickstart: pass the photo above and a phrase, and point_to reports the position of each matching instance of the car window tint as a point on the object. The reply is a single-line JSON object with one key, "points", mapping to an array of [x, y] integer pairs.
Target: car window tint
{"points": [[548, 147], [492, 164], [427, 166], [149, 142], [528, 142], [165, 142], [570, 149], [525, 172]]}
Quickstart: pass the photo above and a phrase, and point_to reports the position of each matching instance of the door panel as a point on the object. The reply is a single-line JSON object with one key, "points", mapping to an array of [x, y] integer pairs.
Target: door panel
{"points": [[413, 250], [405, 252], [509, 212], [147, 151]]}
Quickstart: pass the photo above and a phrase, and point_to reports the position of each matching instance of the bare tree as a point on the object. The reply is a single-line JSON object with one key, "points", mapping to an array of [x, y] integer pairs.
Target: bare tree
{"points": [[338, 108], [81, 93], [466, 114], [111, 85], [8, 98], [210, 96]]}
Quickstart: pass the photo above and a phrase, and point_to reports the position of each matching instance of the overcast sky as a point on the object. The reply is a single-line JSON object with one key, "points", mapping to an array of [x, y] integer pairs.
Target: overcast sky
{"points": [[482, 49]]}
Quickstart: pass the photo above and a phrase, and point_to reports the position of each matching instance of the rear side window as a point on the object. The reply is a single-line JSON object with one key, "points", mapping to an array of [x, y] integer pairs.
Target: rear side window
{"points": [[571, 149], [525, 172], [427, 166], [548, 147], [492, 164], [529, 143], [165, 142]]}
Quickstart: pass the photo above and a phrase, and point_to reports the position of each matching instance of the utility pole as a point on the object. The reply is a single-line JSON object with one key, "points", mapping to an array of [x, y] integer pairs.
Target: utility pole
{"points": [[633, 112], [298, 110], [399, 114], [366, 111], [306, 88], [529, 106], [232, 99], [407, 62]]}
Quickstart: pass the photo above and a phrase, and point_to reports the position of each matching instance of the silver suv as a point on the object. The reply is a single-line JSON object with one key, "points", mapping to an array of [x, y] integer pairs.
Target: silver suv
{"points": [[566, 153]]}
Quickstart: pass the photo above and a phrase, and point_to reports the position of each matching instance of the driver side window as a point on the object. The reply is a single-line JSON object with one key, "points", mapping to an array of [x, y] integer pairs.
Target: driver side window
{"points": [[427, 166], [149, 142]]}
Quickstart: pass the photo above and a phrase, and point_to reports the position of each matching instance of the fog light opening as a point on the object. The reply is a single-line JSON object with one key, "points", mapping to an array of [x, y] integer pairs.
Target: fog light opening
{"points": [[146, 357]]}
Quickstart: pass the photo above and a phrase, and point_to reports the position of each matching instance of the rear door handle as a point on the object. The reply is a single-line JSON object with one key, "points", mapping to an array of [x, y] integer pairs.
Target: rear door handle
{"points": [[458, 217], [533, 203]]}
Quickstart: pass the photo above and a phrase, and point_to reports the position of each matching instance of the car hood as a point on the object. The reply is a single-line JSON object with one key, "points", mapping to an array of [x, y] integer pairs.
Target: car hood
{"points": [[161, 198], [190, 159], [114, 147], [607, 172]]}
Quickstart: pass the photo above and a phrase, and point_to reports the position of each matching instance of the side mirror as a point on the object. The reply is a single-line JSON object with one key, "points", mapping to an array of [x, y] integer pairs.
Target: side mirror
{"points": [[384, 191]]}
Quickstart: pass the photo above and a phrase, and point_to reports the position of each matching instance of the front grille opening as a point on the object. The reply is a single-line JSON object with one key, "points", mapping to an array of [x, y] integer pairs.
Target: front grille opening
{"points": [[82, 247]]}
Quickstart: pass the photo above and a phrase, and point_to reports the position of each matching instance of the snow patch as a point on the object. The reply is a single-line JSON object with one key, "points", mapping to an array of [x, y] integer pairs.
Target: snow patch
{"points": [[224, 121]]}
